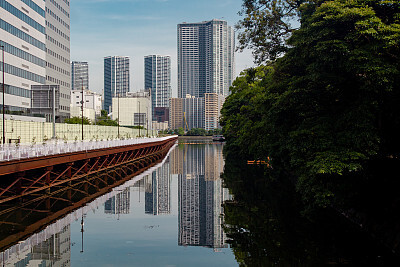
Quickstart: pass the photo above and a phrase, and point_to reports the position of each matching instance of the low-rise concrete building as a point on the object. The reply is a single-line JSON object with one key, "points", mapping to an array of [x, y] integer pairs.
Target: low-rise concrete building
{"points": [[87, 112], [133, 109], [46, 100], [91, 107]]}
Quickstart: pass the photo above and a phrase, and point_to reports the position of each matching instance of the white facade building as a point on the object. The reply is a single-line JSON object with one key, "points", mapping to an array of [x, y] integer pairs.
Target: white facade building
{"points": [[92, 104], [58, 69], [134, 109], [22, 31]]}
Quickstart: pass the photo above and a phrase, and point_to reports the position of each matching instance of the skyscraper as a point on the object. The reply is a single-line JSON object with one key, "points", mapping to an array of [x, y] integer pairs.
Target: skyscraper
{"points": [[58, 68], [80, 75], [205, 58], [23, 36], [157, 78], [35, 37], [116, 78]]}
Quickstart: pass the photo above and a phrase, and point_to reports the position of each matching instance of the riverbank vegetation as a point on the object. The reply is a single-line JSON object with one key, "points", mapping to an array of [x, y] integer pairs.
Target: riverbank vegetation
{"points": [[104, 120], [324, 99], [194, 132]]}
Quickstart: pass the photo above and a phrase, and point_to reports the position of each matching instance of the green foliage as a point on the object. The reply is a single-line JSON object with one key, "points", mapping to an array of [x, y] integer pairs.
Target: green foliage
{"points": [[215, 132], [266, 26], [104, 113], [179, 131], [330, 104], [77, 120], [105, 120]]}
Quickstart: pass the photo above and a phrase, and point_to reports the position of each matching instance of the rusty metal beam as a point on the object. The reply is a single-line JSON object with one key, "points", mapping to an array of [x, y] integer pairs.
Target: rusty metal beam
{"points": [[13, 166], [21, 186]]}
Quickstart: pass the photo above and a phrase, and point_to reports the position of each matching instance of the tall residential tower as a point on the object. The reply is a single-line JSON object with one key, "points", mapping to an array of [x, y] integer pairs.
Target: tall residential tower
{"points": [[157, 78], [80, 75], [205, 58], [116, 79]]}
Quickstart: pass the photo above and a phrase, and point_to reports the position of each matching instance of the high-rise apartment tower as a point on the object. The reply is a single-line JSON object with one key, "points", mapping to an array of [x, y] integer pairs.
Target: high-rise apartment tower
{"points": [[157, 78], [205, 58], [80, 75], [116, 79]]}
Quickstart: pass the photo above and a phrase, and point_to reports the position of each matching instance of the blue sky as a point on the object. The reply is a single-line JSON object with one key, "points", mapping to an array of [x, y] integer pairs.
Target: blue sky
{"points": [[137, 28]]}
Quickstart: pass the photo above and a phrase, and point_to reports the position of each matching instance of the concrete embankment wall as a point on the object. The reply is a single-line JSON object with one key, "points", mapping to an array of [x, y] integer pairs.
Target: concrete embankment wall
{"points": [[35, 132]]}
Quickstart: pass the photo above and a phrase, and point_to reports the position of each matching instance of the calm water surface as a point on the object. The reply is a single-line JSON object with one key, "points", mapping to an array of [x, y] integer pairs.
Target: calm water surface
{"points": [[170, 216], [175, 214]]}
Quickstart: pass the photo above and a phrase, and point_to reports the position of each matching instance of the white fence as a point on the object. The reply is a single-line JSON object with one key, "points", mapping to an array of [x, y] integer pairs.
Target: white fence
{"points": [[16, 152]]}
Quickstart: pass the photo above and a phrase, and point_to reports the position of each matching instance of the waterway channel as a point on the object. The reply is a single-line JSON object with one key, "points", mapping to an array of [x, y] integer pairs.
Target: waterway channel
{"points": [[178, 213]]}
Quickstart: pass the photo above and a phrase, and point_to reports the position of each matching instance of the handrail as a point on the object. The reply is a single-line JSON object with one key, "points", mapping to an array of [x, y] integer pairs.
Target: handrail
{"points": [[17, 152]]}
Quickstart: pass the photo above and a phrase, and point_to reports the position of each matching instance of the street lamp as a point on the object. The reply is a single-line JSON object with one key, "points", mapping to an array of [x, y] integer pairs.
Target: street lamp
{"points": [[4, 128], [82, 105]]}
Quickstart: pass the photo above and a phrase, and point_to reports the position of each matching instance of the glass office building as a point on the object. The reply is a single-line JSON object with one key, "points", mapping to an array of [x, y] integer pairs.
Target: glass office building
{"points": [[116, 79], [157, 79]]}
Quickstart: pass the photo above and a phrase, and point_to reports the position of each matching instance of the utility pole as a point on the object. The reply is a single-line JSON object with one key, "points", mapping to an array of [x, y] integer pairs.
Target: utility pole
{"points": [[82, 105], [147, 118], [118, 115], [4, 125], [82, 231], [139, 118], [54, 112]]}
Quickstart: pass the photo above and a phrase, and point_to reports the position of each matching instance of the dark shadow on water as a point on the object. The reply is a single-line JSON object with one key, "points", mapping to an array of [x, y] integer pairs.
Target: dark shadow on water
{"points": [[266, 225]]}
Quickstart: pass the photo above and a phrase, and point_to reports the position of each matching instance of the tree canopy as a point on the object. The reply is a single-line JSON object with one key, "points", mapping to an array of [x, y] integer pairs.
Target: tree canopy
{"points": [[105, 120], [329, 104], [77, 120]]}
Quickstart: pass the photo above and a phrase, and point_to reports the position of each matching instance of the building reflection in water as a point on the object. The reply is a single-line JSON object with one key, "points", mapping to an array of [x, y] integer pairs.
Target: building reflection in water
{"points": [[200, 199], [43, 249], [118, 204], [158, 191], [200, 195]]}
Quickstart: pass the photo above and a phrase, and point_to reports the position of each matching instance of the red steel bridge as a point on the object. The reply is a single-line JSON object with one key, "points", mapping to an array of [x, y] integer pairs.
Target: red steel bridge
{"points": [[34, 187]]}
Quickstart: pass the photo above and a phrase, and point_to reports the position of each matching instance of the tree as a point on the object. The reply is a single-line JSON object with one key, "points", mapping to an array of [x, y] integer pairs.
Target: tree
{"points": [[77, 120], [266, 26], [104, 113], [179, 131], [329, 106], [105, 120]]}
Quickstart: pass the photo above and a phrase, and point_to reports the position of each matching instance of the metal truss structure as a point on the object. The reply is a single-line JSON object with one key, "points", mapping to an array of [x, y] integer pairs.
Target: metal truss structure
{"points": [[37, 191]]}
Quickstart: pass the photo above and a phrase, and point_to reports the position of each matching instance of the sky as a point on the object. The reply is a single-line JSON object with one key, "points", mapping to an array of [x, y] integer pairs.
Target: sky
{"points": [[137, 28]]}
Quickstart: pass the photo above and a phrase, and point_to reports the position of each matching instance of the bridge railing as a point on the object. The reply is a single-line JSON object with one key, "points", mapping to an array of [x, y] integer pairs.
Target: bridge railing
{"points": [[16, 152]]}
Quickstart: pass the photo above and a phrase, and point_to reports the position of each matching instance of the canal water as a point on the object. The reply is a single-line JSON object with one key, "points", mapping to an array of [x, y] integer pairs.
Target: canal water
{"points": [[179, 213], [169, 216]]}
